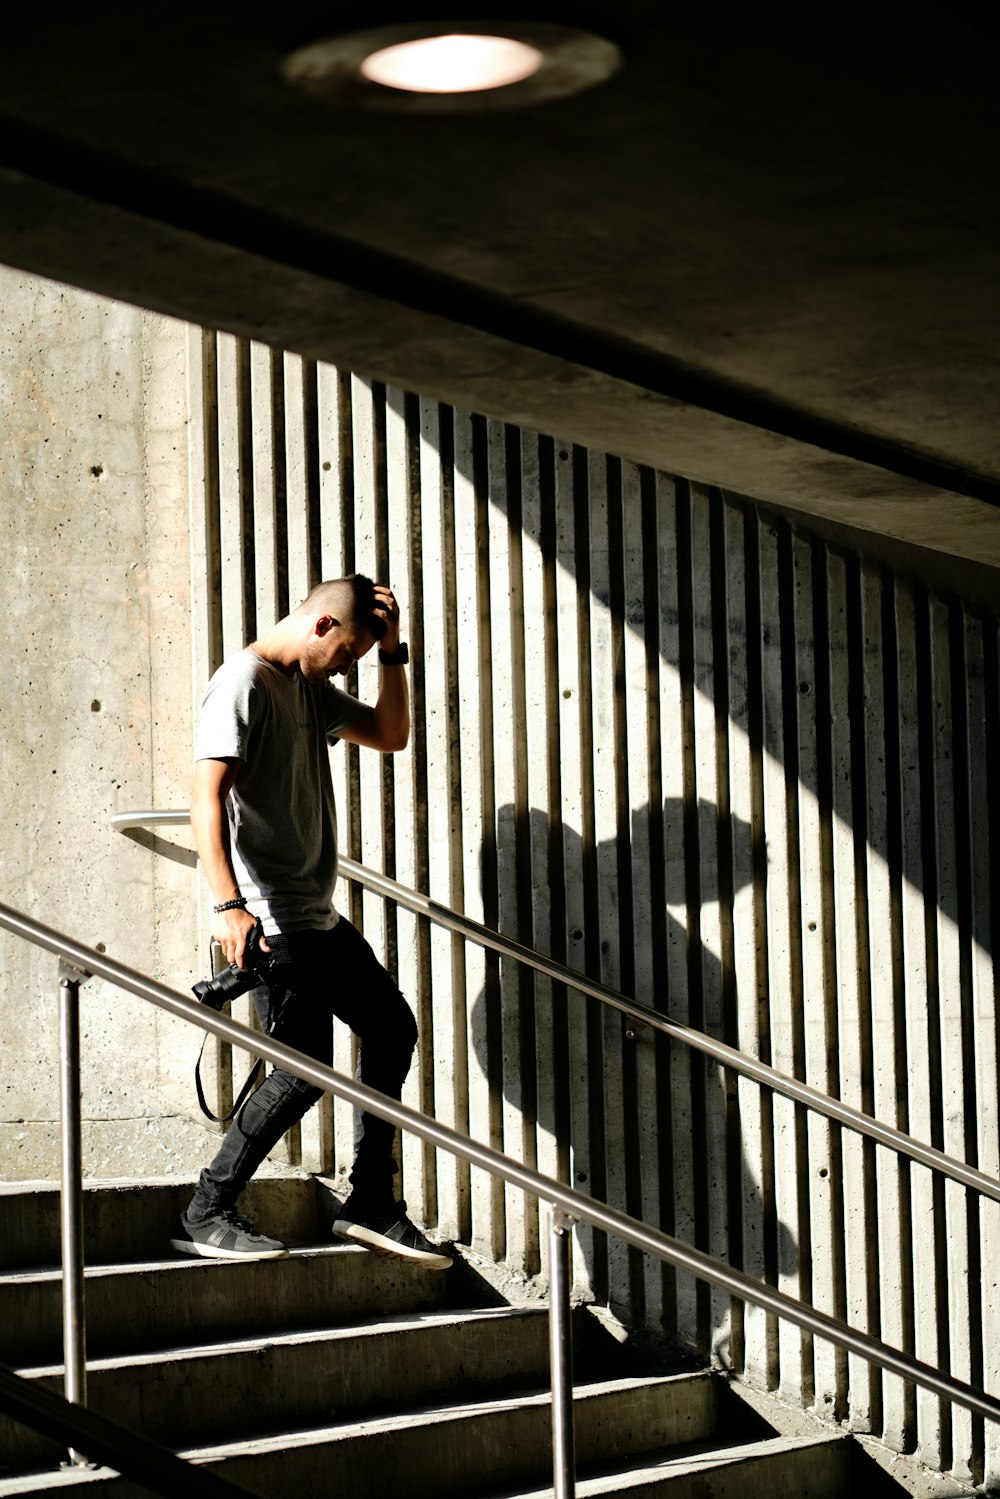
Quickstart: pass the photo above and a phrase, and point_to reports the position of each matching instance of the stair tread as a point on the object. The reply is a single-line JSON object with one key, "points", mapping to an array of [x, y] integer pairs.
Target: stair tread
{"points": [[129, 1218], [194, 1300], [625, 1473], [397, 1322], [431, 1414], [177, 1262], [698, 1457]]}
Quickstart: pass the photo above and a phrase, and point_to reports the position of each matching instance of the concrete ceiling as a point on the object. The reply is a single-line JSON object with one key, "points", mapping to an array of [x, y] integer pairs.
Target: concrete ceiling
{"points": [[765, 254]]}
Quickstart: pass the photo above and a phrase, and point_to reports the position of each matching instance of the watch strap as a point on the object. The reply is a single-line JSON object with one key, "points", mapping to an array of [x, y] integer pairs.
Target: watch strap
{"points": [[399, 657]]}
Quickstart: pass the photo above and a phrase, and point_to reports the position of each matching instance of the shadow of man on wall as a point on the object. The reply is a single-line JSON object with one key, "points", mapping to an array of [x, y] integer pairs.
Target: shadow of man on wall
{"points": [[613, 1107]]}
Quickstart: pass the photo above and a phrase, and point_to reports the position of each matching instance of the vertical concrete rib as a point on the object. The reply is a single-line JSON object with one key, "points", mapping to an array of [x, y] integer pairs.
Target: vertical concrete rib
{"points": [[335, 456], [755, 1356], [231, 480], [852, 1001], [268, 564], [816, 939], [537, 910], [508, 752], [573, 774], [605, 751], [784, 1015], [705, 930], [647, 924], [884, 939], [669, 498], [297, 461], [957, 1088], [916, 876], [982, 825], [485, 1113], [447, 1003]]}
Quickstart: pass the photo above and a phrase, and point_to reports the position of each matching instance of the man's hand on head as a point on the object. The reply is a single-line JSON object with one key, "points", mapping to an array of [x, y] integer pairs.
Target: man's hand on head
{"points": [[386, 608], [231, 930]]}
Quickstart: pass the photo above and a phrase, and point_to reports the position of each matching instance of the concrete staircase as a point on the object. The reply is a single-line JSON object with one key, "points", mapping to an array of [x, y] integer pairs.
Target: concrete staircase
{"points": [[336, 1370]]}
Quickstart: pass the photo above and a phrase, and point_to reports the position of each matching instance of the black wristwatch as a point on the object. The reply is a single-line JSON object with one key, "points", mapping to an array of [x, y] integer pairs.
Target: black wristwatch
{"points": [[399, 657]]}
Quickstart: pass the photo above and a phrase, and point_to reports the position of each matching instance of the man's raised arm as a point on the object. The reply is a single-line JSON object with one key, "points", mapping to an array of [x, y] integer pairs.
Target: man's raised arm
{"points": [[385, 725]]}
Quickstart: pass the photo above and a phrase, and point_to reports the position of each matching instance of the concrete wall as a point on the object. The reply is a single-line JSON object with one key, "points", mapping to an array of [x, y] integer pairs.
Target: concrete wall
{"points": [[95, 707], [730, 769]]}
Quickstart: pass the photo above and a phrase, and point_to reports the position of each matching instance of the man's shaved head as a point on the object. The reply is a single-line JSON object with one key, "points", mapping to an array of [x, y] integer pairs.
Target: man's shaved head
{"points": [[350, 600]]}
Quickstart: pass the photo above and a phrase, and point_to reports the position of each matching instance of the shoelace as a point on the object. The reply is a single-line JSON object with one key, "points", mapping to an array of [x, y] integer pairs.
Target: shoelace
{"points": [[241, 1223]]}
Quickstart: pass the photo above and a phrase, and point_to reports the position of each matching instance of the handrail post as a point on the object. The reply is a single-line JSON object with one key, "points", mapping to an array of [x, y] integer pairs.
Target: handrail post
{"points": [[71, 1196], [561, 1355]]}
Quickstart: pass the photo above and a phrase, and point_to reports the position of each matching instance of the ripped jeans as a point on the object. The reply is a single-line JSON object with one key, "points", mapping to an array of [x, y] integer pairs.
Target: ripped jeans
{"points": [[318, 976]]}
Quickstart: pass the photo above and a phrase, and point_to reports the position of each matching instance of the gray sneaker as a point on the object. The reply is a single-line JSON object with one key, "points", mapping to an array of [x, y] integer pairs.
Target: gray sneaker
{"points": [[224, 1236], [390, 1233]]}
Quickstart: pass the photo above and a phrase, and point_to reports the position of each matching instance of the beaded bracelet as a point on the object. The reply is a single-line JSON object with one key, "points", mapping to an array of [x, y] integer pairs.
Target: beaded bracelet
{"points": [[230, 905]]}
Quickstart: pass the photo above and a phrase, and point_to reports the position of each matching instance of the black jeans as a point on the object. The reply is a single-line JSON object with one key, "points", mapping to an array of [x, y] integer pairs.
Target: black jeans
{"points": [[317, 976]]}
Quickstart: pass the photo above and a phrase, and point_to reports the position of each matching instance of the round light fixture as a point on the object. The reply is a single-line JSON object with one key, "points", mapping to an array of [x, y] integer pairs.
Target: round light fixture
{"points": [[443, 68], [452, 64]]}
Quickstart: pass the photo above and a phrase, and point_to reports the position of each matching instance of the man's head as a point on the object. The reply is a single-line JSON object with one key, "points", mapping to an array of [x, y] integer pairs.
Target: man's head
{"points": [[342, 626]]}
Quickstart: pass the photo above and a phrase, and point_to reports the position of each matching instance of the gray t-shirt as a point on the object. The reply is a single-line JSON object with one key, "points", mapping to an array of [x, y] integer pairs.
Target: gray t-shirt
{"points": [[282, 818]]}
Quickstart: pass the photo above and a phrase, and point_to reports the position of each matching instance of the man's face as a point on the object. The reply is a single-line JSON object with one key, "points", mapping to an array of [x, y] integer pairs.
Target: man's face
{"points": [[333, 649]]}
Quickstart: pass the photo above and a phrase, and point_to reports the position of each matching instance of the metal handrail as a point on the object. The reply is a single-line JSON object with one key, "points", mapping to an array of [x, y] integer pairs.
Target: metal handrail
{"points": [[568, 1204], [727, 1056]]}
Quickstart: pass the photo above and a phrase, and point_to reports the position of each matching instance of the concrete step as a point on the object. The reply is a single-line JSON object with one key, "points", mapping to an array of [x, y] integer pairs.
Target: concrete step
{"points": [[443, 1451], [125, 1221], [167, 1302], [284, 1381], [808, 1467]]}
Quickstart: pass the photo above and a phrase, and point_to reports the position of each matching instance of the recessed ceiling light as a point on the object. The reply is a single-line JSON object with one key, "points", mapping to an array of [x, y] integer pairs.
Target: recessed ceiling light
{"points": [[434, 68], [452, 64]]}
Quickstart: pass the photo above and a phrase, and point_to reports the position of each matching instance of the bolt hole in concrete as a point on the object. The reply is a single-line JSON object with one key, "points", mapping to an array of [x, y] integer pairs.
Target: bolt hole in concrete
{"points": [[421, 67], [97, 470]]}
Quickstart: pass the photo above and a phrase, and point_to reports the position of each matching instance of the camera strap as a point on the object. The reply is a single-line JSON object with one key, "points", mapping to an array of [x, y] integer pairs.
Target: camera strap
{"points": [[245, 1091]]}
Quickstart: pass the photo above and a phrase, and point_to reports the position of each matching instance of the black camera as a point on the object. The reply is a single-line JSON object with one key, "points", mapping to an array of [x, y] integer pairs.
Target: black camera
{"points": [[234, 981]]}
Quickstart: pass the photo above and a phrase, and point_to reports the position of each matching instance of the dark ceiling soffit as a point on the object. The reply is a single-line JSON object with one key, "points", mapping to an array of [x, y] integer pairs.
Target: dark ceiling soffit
{"points": [[53, 159]]}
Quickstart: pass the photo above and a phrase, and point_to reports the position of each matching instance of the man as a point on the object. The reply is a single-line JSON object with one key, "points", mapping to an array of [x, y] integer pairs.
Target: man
{"points": [[264, 823]]}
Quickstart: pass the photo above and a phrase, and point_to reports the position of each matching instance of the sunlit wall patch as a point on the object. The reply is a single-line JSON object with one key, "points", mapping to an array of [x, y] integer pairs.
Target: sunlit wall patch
{"points": [[453, 66]]}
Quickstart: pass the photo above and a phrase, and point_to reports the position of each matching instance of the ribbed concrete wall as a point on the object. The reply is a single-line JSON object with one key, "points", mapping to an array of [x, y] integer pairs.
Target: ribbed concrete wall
{"points": [[721, 767]]}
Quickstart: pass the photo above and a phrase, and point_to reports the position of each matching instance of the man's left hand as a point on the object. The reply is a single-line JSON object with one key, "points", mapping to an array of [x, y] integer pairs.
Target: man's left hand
{"points": [[387, 608]]}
